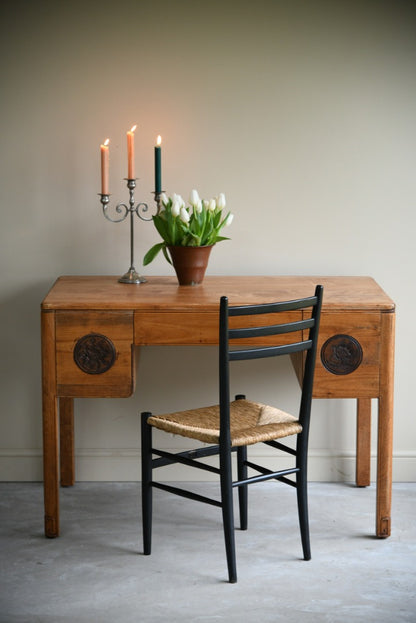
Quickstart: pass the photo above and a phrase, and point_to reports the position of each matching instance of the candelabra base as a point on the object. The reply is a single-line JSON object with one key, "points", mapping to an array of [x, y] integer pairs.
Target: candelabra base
{"points": [[132, 277]]}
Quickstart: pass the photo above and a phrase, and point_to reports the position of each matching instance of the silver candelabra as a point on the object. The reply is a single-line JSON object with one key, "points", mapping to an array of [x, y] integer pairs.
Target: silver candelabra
{"points": [[122, 209]]}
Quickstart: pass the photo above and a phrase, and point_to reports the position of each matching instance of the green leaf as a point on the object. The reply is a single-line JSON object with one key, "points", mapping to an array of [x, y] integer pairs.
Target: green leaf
{"points": [[162, 227], [219, 238], [151, 254], [165, 253]]}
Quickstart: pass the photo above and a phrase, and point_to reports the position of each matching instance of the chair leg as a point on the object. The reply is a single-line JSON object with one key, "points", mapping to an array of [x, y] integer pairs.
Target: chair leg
{"points": [[302, 497], [243, 490], [147, 491], [242, 475], [228, 513]]}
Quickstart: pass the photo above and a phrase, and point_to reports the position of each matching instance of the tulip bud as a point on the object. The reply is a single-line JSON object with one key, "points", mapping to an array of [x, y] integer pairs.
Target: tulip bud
{"points": [[221, 203], [194, 198], [176, 206], [164, 198], [229, 220], [212, 204], [184, 215]]}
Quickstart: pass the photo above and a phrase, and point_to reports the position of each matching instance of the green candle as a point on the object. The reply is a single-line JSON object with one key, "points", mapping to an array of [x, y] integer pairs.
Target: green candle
{"points": [[158, 165]]}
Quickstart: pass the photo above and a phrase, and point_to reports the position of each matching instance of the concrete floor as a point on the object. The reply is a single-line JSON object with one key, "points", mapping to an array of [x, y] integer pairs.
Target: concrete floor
{"points": [[95, 571]]}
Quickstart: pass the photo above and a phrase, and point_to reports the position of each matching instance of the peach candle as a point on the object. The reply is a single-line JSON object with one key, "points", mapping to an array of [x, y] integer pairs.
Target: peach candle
{"points": [[105, 167], [130, 153]]}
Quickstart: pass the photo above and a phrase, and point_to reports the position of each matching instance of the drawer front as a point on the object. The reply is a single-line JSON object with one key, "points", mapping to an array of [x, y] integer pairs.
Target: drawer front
{"points": [[197, 327], [348, 358], [94, 354], [174, 328]]}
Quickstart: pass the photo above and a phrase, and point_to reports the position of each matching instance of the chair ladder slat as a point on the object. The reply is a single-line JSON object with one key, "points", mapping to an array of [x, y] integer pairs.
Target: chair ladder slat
{"points": [[269, 351], [277, 329], [268, 308]]}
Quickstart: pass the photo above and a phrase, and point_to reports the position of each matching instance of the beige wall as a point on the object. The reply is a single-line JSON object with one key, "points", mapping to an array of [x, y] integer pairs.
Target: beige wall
{"points": [[303, 113]]}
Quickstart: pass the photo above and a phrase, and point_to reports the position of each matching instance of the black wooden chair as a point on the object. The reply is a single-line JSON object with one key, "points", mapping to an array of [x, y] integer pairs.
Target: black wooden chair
{"points": [[232, 426]]}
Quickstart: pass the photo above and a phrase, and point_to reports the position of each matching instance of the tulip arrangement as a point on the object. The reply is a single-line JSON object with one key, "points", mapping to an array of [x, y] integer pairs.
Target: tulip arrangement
{"points": [[195, 225]]}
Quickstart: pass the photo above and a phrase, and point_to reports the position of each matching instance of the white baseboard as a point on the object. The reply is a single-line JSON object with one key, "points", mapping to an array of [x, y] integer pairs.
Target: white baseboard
{"points": [[124, 465]]}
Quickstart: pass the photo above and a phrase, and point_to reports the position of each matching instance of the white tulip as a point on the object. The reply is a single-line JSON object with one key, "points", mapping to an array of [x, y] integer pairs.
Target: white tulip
{"points": [[198, 207], [194, 198], [178, 199], [212, 204], [229, 220], [164, 198], [184, 215], [221, 203], [176, 206]]}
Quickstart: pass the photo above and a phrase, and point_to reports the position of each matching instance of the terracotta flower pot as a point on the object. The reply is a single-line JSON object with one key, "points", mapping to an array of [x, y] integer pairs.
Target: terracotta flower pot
{"points": [[190, 263]]}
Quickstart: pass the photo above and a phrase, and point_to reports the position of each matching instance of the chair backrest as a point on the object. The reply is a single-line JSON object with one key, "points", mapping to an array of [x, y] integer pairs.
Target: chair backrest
{"points": [[285, 328]]}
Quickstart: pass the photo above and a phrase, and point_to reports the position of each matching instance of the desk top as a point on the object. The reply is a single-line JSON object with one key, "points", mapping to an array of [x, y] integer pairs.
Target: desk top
{"points": [[159, 293]]}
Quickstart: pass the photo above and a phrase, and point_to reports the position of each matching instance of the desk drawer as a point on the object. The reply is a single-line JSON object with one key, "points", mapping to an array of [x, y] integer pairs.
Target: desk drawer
{"points": [[348, 358], [197, 327], [94, 354], [174, 328]]}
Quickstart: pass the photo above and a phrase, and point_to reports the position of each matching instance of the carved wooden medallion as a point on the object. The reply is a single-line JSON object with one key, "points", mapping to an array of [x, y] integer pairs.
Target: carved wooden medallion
{"points": [[94, 353], [341, 354]]}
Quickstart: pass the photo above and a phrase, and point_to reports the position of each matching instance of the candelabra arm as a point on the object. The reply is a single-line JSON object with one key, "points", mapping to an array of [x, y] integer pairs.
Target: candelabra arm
{"points": [[158, 200]]}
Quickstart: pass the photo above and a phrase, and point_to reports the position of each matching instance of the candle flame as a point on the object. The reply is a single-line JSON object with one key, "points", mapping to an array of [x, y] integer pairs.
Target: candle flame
{"points": [[106, 142], [133, 128], [159, 140]]}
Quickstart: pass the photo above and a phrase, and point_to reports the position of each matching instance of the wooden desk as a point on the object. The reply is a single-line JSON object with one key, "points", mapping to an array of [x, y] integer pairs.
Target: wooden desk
{"points": [[90, 325]]}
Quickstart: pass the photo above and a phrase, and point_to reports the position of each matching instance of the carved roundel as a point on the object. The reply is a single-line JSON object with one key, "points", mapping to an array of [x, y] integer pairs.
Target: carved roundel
{"points": [[94, 353], [341, 354]]}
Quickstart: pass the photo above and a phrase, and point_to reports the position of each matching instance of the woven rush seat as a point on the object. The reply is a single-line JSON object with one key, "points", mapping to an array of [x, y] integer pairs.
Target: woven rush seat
{"points": [[250, 422]]}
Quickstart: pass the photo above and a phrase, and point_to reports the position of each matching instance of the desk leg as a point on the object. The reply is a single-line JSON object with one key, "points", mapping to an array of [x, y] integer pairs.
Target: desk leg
{"points": [[50, 426], [363, 459], [66, 436], [385, 427]]}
